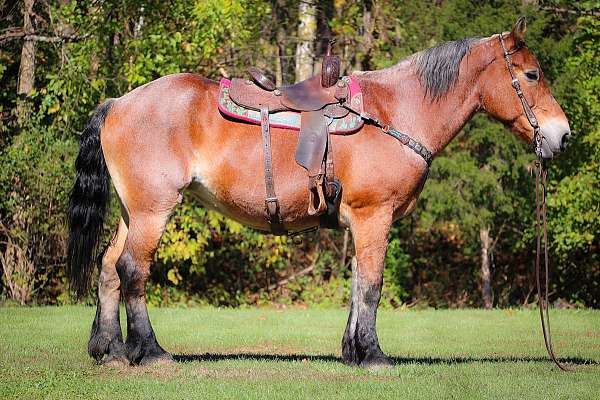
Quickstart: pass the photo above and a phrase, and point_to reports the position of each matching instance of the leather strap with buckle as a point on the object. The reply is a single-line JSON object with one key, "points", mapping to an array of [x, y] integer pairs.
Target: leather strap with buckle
{"points": [[271, 203]]}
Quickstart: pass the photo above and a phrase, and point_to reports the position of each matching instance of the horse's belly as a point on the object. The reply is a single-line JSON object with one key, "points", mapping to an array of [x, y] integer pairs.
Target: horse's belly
{"points": [[248, 215]]}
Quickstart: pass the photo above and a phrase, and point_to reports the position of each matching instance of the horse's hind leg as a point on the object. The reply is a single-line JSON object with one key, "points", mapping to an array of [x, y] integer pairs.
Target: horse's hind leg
{"points": [[360, 345], [106, 337], [133, 267]]}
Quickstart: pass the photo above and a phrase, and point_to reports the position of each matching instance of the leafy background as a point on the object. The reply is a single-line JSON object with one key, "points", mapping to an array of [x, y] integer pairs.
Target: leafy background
{"points": [[434, 255]]}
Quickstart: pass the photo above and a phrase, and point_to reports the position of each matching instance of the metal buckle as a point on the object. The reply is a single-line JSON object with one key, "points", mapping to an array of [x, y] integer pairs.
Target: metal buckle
{"points": [[270, 211], [537, 139], [272, 200]]}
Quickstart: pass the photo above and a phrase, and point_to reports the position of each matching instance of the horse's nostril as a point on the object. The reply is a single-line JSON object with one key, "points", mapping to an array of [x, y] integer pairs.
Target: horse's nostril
{"points": [[564, 141]]}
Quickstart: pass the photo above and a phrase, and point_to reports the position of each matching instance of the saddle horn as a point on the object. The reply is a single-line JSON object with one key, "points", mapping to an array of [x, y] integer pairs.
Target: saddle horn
{"points": [[330, 70]]}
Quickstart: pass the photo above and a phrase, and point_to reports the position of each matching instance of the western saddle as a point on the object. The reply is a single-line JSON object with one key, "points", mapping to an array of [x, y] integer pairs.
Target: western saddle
{"points": [[318, 99]]}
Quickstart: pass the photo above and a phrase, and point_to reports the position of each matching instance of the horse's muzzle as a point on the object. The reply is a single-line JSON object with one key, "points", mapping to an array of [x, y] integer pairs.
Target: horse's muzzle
{"points": [[556, 136]]}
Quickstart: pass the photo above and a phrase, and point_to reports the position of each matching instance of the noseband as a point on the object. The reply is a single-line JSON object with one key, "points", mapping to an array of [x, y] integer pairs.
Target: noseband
{"points": [[540, 205]]}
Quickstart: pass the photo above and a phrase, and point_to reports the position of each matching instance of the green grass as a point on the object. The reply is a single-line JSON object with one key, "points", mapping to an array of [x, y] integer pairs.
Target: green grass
{"points": [[458, 354]]}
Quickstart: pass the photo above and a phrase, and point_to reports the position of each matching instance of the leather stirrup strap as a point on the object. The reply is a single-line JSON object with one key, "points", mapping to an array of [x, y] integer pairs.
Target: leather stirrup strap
{"points": [[271, 202], [329, 171]]}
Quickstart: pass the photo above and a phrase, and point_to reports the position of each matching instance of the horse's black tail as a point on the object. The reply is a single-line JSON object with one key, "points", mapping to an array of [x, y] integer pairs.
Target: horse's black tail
{"points": [[88, 203]]}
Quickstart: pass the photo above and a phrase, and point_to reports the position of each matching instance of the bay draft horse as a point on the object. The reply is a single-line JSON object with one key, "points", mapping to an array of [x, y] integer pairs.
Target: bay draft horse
{"points": [[168, 136]]}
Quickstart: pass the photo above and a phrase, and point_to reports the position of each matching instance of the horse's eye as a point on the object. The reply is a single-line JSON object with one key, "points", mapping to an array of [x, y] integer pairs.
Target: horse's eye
{"points": [[532, 75]]}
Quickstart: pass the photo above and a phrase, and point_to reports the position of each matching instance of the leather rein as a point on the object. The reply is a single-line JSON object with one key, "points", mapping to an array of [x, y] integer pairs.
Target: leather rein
{"points": [[540, 206]]}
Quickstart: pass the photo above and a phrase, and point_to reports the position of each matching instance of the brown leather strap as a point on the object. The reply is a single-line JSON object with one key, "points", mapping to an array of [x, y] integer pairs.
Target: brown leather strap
{"points": [[541, 219], [329, 170], [406, 140], [271, 202]]}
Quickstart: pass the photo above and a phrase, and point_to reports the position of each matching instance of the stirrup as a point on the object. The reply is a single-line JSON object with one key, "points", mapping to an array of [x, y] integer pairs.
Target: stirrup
{"points": [[320, 197]]}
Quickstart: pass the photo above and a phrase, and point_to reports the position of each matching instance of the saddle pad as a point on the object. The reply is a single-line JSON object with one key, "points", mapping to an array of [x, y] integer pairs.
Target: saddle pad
{"points": [[350, 123]]}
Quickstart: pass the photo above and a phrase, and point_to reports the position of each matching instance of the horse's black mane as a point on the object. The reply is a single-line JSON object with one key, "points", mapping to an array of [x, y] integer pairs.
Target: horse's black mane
{"points": [[438, 66]]}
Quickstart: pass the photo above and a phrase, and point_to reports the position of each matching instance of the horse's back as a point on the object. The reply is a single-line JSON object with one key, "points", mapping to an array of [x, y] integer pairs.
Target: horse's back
{"points": [[168, 96]]}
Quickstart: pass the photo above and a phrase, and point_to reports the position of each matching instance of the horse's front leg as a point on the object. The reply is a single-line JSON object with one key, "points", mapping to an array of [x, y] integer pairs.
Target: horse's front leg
{"points": [[360, 345]]}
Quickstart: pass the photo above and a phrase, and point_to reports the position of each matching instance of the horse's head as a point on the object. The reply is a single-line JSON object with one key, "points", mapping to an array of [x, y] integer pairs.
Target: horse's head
{"points": [[500, 98]]}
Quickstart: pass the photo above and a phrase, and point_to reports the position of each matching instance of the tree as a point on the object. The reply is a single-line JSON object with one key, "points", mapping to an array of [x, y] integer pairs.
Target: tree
{"points": [[307, 34], [27, 66]]}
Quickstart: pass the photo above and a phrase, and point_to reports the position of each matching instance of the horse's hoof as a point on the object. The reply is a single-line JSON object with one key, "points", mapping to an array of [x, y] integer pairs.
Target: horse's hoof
{"points": [[157, 359], [98, 346], [115, 361], [376, 363], [102, 344]]}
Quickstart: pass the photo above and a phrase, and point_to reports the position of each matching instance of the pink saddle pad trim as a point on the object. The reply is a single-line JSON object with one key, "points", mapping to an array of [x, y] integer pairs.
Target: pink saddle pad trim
{"points": [[291, 119]]}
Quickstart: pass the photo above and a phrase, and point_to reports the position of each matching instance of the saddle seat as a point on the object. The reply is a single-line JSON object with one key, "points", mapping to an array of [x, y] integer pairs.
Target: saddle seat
{"points": [[304, 96], [308, 95]]}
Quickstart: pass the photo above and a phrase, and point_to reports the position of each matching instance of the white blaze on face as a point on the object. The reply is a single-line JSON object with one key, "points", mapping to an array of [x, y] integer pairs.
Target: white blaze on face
{"points": [[555, 136]]}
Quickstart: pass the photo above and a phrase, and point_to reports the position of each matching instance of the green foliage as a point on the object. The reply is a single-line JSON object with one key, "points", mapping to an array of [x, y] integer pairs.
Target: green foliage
{"points": [[203, 249], [574, 204], [483, 179], [396, 275], [34, 193]]}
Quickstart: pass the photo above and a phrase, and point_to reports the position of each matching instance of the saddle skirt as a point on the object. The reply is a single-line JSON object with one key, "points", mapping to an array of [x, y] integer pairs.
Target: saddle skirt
{"points": [[337, 123]]}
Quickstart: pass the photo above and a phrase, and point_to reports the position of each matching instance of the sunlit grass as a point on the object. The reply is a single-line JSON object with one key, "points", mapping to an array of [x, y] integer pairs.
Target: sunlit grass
{"points": [[266, 353]]}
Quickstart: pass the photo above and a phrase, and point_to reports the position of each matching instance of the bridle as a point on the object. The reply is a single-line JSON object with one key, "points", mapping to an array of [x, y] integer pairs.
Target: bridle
{"points": [[540, 204], [537, 137]]}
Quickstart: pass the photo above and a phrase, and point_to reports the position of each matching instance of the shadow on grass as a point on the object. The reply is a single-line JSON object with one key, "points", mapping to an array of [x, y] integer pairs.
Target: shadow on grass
{"points": [[397, 360]]}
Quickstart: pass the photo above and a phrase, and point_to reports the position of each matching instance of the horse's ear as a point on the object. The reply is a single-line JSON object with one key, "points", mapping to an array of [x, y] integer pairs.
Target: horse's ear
{"points": [[518, 31]]}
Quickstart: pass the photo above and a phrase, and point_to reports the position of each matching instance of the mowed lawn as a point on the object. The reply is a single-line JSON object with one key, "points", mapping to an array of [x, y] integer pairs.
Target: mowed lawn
{"points": [[293, 353]]}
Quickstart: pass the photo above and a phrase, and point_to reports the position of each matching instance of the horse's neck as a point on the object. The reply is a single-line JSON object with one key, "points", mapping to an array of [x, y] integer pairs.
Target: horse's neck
{"points": [[397, 97]]}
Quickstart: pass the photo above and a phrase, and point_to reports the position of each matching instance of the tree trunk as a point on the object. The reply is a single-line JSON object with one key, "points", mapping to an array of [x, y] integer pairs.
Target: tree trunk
{"points": [[280, 59], [279, 21], [486, 284], [307, 32], [344, 249], [27, 66], [138, 26], [367, 39]]}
